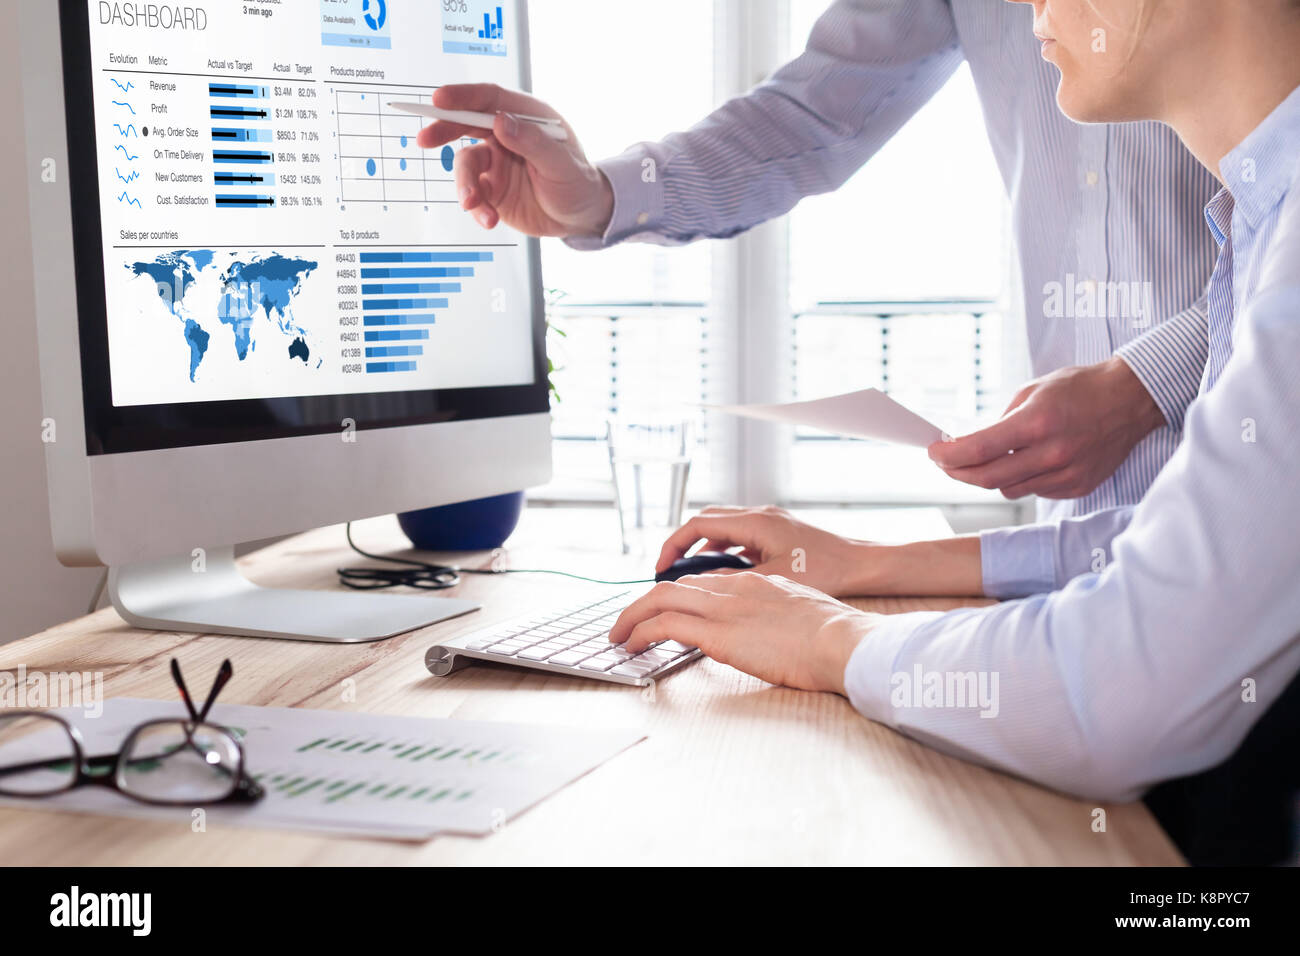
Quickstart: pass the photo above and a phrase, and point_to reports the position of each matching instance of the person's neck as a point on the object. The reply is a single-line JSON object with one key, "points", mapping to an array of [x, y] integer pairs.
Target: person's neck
{"points": [[1235, 89]]}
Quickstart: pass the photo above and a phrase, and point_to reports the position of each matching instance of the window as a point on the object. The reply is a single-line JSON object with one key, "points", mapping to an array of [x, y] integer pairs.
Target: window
{"points": [[898, 280], [629, 324]]}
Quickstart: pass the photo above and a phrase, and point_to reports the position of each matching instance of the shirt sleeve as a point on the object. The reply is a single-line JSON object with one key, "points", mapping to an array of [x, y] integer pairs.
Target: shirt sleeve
{"points": [[1169, 360], [1031, 559], [868, 67], [1140, 673]]}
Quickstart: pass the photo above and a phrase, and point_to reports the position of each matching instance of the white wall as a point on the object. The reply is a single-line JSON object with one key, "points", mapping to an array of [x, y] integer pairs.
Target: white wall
{"points": [[35, 590]]}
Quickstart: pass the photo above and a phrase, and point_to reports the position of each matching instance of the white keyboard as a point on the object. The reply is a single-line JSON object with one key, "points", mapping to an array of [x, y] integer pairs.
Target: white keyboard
{"points": [[569, 640]]}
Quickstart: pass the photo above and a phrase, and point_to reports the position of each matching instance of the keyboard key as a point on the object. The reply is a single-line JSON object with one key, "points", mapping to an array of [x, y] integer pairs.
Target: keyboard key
{"points": [[505, 650], [677, 646], [567, 658], [535, 653], [634, 668], [601, 662]]}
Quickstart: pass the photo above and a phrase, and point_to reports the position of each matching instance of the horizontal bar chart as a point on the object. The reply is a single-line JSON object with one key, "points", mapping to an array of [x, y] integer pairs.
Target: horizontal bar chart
{"points": [[396, 335], [407, 288], [226, 134], [390, 305], [238, 91], [400, 291], [242, 156], [245, 201], [406, 318], [238, 112], [243, 179], [393, 351], [390, 366], [368, 257]]}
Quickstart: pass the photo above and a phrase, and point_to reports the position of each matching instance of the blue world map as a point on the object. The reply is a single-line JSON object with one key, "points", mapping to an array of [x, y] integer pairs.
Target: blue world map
{"points": [[249, 286]]}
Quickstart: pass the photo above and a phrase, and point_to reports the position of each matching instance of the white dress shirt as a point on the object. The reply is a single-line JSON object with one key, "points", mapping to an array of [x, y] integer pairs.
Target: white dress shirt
{"points": [[1168, 628]]}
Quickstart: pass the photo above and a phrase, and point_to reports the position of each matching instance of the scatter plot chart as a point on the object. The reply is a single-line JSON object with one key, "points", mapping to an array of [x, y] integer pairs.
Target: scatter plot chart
{"points": [[379, 160]]}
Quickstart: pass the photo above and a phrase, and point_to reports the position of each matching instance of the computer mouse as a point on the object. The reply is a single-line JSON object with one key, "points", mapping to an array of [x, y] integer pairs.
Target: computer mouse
{"points": [[702, 562]]}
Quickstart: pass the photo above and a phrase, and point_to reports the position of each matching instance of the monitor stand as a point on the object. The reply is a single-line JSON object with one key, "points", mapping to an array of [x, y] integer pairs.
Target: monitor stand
{"points": [[172, 594]]}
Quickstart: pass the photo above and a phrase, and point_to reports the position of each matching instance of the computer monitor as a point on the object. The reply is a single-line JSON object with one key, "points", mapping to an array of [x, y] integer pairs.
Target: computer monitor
{"points": [[260, 308]]}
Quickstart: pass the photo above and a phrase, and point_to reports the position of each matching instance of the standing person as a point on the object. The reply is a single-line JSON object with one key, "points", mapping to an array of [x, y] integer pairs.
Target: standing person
{"points": [[1099, 211], [1160, 645]]}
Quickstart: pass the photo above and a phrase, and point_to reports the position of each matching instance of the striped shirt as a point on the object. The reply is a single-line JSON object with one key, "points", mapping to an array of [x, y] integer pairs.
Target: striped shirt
{"points": [[1171, 627], [1113, 254]]}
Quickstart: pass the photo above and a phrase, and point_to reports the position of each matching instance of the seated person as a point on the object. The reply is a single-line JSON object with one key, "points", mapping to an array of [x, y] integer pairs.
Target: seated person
{"points": [[1146, 641]]}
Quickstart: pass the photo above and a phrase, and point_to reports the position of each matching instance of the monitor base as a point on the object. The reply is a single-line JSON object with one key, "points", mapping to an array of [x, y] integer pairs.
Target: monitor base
{"points": [[207, 594]]}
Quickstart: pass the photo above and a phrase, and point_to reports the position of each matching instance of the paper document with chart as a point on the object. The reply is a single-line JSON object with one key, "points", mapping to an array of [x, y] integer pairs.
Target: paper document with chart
{"points": [[406, 778], [868, 413]]}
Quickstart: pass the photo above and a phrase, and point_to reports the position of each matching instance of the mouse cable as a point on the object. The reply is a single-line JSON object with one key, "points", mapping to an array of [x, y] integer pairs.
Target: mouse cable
{"points": [[432, 577]]}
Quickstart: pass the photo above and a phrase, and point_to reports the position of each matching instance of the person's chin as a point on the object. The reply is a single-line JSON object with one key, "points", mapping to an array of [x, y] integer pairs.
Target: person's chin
{"points": [[1080, 108]]}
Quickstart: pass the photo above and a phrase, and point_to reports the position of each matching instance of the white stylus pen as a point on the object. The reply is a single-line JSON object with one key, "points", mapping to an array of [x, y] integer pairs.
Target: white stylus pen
{"points": [[551, 127]]}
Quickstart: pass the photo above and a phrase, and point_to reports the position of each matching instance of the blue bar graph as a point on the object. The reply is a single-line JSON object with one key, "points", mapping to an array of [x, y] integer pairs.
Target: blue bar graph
{"points": [[237, 90], [405, 318], [430, 272], [491, 31], [400, 291], [406, 288], [390, 366], [388, 305], [397, 335], [244, 201], [416, 274], [238, 112], [393, 351], [244, 179], [241, 156], [425, 257], [227, 134]]}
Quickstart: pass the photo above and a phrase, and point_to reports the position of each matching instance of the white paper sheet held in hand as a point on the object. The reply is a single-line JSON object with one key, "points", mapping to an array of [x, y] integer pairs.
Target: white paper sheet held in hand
{"points": [[869, 413]]}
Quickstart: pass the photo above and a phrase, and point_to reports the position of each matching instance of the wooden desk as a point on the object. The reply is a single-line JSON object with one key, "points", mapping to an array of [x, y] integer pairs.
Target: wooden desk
{"points": [[734, 771]]}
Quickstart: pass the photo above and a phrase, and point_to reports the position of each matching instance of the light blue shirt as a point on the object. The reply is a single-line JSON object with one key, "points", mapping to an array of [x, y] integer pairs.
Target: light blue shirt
{"points": [[1118, 206], [1170, 627]]}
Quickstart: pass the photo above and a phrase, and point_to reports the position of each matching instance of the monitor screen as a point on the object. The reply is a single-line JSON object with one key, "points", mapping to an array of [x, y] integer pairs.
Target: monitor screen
{"points": [[262, 249]]}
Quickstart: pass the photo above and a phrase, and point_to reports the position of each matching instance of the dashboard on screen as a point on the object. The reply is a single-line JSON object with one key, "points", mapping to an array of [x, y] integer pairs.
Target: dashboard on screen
{"points": [[261, 243]]}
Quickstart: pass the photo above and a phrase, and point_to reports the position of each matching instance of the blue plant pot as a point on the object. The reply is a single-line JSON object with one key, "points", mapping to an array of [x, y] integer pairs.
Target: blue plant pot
{"points": [[478, 525]]}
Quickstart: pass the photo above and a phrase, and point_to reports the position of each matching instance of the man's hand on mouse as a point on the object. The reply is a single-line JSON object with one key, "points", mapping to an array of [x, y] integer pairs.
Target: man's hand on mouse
{"points": [[768, 626], [777, 543], [517, 174]]}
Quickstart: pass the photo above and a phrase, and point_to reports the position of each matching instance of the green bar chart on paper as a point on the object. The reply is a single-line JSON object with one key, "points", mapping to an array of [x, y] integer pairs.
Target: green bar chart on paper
{"points": [[370, 774]]}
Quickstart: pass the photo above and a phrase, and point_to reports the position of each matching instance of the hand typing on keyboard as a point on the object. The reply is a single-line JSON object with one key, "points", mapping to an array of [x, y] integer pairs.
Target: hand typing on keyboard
{"points": [[768, 626], [572, 639]]}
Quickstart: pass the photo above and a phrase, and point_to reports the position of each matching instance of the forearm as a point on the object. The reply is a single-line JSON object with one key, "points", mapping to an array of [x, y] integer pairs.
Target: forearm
{"points": [[1134, 674], [868, 68], [946, 567]]}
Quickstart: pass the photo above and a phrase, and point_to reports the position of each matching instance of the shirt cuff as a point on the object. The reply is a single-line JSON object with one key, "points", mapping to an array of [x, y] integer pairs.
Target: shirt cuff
{"points": [[1169, 361], [1015, 562], [638, 199], [868, 677]]}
